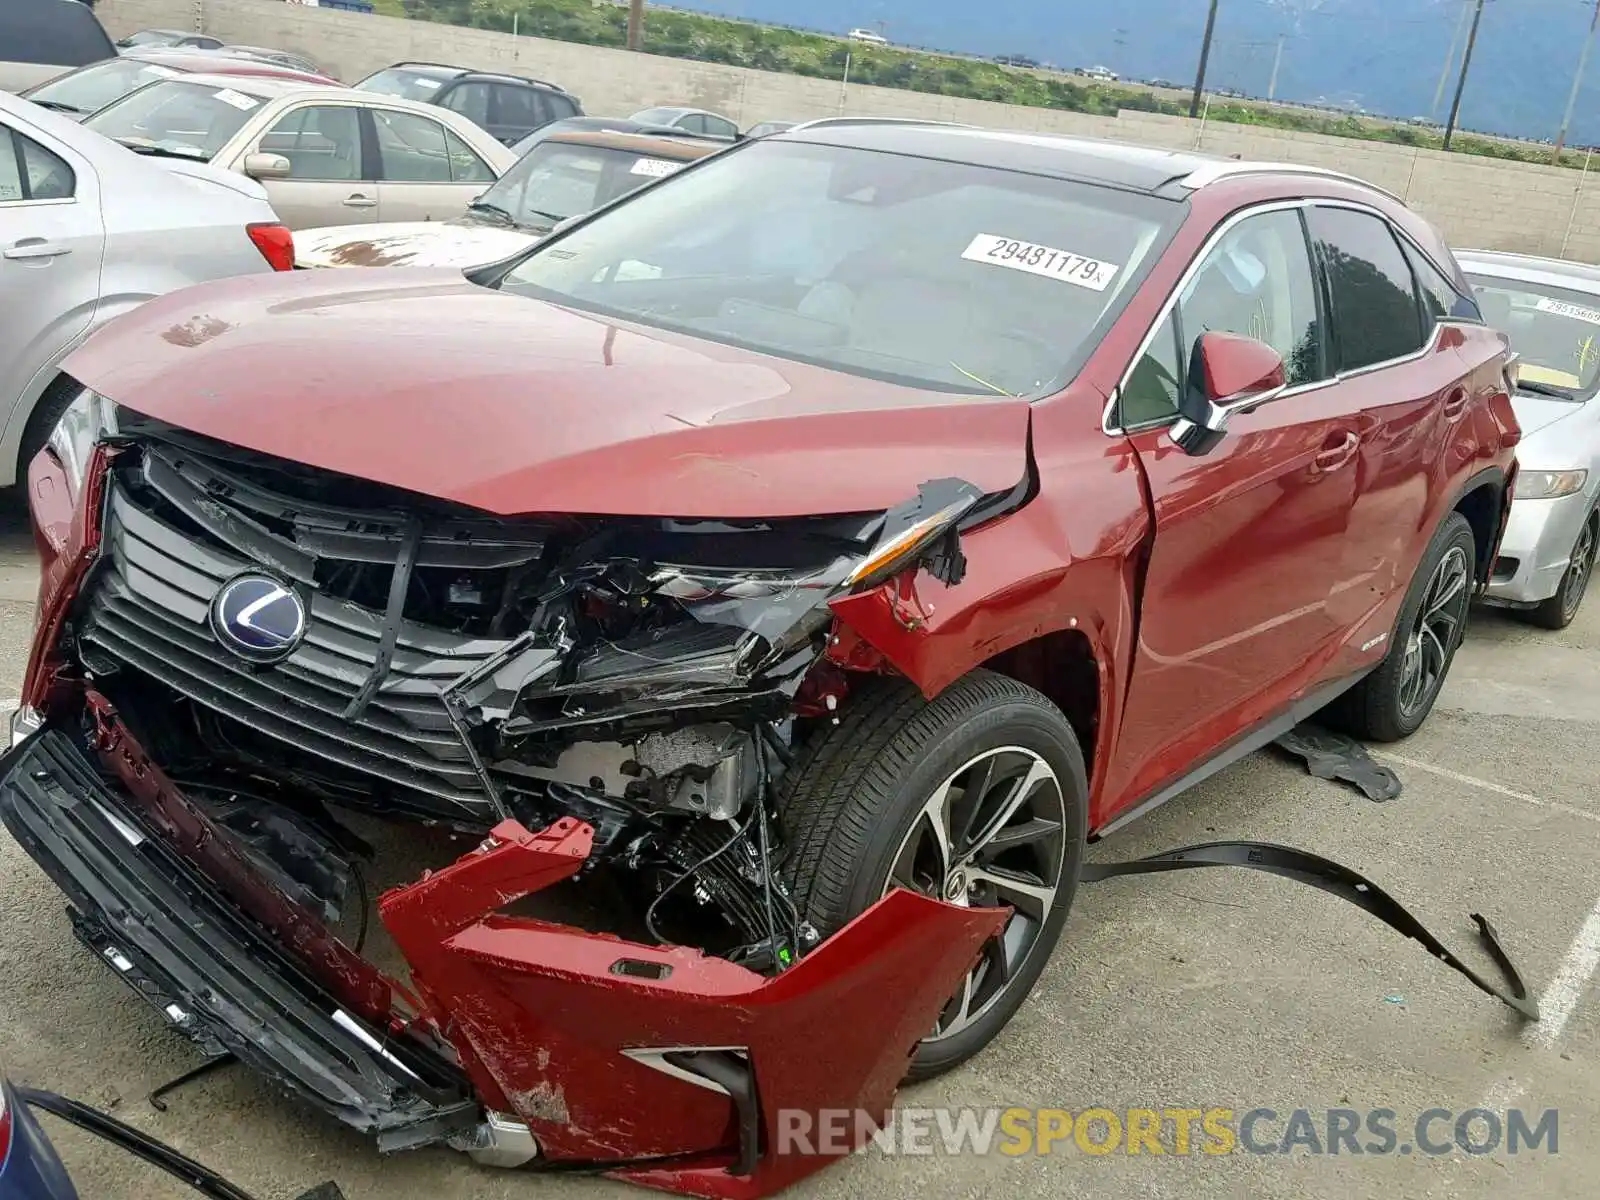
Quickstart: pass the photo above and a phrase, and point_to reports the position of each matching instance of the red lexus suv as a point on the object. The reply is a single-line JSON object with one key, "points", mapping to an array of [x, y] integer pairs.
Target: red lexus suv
{"points": [[788, 567]]}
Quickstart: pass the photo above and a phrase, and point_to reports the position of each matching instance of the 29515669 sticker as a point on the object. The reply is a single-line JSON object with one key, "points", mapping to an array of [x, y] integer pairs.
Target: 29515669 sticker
{"points": [[1562, 308], [1048, 261]]}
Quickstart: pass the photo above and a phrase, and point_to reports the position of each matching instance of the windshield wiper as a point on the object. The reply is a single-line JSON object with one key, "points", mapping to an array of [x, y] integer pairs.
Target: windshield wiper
{"points": [[494, 210], [139, 146], [1554, 390], [59, 106]]}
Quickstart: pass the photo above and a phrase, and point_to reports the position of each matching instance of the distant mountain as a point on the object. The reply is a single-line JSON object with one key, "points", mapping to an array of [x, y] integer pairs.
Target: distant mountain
{"points": [[1385, 56]]}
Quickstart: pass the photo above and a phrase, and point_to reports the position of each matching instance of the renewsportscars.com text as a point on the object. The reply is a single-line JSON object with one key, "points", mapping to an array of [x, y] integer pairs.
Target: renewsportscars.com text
{"points": [[1171, 1131]]}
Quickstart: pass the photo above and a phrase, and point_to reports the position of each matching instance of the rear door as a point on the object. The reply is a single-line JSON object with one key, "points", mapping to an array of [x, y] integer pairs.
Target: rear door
{"points": [[515, 111], [331, 181], [52, 242], [425, 172], [1235, 618], [1398, 360]]}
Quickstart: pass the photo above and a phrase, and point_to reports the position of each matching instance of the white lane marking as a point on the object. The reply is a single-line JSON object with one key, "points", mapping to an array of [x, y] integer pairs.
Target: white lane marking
{"points": [[1486, 785]]}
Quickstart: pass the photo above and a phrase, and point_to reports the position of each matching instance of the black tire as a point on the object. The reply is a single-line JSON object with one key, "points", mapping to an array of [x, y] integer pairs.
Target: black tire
{"points": [[1381, 708], [52, 402], [856, 799], [1559, 610]]}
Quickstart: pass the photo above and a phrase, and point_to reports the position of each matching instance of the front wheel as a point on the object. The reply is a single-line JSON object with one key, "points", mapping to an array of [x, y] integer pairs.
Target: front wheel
{"points": [[1559, 610], [1393, 701], [978, 798]]}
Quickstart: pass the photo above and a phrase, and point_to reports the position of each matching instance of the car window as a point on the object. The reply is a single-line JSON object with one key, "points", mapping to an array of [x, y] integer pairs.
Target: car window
{"points": [[930, 273], [557, 180], [561, 107], [518, 107], [321, 142], [56, 35], [465, 165], [694, 123], [1441, 301], [1555, 331], [471, 100], [178, 117], [1376, 316], [411, 149], [94, 87], [717, 127], [29, 171], [1257, 281], [405, 83], [1151, 393]]}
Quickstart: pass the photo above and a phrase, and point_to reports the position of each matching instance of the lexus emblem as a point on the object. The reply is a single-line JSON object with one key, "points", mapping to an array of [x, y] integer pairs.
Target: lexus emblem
{"points": [[258, 618]]}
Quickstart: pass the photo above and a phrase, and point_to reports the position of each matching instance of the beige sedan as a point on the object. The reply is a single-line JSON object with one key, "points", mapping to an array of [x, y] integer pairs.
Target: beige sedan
{"points": [[326, 155]]}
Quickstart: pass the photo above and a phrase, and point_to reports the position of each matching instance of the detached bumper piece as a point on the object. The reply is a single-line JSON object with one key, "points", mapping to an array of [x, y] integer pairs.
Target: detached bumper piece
{"points": [[215, 977]]}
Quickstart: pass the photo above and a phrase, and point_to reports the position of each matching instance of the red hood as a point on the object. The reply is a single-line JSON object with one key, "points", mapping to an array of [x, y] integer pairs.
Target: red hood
{"points": [[421, 380]]}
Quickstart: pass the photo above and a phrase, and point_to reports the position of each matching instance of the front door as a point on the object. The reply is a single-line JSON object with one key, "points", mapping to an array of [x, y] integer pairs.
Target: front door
{"points": [[329, 180], [1247, 552], [425, 172]]}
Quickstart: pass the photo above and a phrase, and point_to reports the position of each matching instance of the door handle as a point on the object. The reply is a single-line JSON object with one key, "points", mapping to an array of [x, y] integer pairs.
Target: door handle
{"points": [[360, 201], [1455, 401], [36, 248], [1332, 457]]}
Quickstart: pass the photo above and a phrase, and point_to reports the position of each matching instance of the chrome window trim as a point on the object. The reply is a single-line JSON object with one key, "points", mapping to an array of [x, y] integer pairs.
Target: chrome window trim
{"points": [[1206, 248]]}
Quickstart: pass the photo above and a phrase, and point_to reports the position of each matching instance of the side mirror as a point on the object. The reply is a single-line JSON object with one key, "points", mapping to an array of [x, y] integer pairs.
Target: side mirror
{"points": [[1228, 373], [267, 166]]}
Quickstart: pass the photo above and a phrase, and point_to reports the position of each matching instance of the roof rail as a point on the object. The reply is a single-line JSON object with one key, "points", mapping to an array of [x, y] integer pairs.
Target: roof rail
{"points": [[410, 62], [821, 122], [1212, 172]]}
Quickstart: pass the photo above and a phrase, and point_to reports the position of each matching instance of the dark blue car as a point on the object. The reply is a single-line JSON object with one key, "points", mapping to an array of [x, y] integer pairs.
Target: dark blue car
{"points": [[29, 1168]]}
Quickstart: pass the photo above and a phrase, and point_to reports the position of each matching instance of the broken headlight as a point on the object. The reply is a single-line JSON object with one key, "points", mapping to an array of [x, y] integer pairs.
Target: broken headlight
{"points": [[87, 420]]}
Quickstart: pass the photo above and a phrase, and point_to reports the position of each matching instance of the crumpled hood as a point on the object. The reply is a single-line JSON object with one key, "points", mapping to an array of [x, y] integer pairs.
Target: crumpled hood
{"points": [[421, 380], [409, 244]]}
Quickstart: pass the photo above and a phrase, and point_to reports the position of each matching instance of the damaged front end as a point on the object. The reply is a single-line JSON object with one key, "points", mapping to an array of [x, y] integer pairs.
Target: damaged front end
{"points": [[240, 659]]}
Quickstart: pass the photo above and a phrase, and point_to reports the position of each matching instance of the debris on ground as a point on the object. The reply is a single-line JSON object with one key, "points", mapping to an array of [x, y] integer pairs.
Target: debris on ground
{"points": [[1331, 755]]}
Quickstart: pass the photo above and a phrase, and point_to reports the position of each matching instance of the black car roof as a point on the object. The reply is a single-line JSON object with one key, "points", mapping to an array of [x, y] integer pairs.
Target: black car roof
{"points": [[1138, 168]]}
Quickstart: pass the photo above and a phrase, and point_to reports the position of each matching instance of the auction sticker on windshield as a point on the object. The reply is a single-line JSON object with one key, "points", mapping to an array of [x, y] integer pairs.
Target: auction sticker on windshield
{"points": [[1040, 260], [1561, 308], [238, 99], [653, 167]]}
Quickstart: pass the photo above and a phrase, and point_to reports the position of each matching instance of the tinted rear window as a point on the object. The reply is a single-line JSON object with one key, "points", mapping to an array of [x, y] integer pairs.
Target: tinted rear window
{"points": [[57, 33], [407, 84]]}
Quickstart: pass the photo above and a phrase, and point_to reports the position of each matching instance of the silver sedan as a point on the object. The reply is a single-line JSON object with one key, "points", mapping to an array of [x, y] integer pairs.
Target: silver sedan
{"points": [[1550, 310], [88, 230]]}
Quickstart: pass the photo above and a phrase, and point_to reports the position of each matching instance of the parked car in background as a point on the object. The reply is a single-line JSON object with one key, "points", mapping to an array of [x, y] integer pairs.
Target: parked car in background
{"points": [[1550, 310], [594, 125], [88, 231], [89, 89], [763, 128], [1001, 486], [690, 120], [296, 62], [866, 35], [327, 156], [566, 175], [1104, 74], [39, 39], [170, 38], [508, 106]]}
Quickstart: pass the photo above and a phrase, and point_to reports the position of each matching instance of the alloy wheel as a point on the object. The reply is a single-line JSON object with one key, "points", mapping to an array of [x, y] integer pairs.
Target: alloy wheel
{"points": [[1434, 632], [1576, 580], [991, 835]]}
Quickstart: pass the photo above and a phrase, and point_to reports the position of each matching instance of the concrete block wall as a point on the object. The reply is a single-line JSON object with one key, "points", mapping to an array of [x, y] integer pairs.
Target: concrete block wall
{"points": [[1476, 202]]}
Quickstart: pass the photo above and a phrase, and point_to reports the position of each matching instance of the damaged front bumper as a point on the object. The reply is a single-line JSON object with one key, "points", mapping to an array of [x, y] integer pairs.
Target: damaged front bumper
{"points": [[661, 1065]]}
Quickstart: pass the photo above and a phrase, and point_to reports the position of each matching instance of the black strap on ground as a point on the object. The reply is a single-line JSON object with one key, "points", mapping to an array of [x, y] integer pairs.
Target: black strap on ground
{"points": [[399, 584], [1337, 880]]}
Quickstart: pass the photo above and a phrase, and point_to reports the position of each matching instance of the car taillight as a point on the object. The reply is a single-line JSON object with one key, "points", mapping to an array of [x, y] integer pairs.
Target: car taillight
{"points": [[276, 244]]}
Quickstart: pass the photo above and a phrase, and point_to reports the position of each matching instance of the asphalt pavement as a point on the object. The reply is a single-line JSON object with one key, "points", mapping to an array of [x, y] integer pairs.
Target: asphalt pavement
{"points": [[1217, 989]]}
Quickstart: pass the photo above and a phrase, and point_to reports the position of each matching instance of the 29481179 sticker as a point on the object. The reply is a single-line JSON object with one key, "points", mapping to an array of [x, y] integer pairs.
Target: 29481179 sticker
{"points": [[1048, 261]]}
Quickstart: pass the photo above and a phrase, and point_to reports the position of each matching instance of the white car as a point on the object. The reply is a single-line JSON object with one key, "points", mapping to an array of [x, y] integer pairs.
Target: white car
{"points": [[89, 230], [326, 155]]}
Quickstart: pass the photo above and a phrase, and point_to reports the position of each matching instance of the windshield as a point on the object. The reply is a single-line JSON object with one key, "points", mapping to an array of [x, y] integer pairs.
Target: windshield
{"points": [[152, 37], [94, 87], [937, 274], [1557, 332], [192, 120], [557, 180], [408, 85], [657, 116]]}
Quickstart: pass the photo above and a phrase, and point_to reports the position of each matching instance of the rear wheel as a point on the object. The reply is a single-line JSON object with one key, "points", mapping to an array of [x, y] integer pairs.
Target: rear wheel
{"points": [[1393, 701], [977, 798], [1559, 610]]}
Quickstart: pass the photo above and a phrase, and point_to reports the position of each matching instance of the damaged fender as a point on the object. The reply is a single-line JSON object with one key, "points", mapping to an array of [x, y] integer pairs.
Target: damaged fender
{"points": [[662, 1065]]}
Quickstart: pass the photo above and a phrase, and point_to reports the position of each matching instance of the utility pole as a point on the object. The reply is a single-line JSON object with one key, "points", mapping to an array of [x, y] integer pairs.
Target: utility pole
{"points": [[1449, 61], [1461, 83], [635, 24], [1577, 82], [1277, 61], [1205, 53]]}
